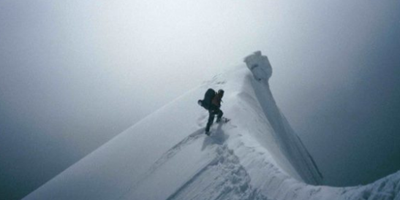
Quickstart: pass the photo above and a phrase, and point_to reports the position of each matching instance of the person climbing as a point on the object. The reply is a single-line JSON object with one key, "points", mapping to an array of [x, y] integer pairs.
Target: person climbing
{"points": [[212, 103]]}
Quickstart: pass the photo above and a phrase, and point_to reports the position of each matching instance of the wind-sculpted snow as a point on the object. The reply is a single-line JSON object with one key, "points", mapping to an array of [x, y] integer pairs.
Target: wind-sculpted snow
{"points": [[256, 155], [259, 65], [291, 145]]}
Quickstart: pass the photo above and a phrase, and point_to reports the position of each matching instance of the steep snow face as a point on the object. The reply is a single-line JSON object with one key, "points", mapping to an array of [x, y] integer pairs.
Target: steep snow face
{"points": [[168, 156], [291, 145]]}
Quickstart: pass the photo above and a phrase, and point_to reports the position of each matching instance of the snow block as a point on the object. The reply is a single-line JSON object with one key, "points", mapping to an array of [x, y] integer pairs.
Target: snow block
{"points": [[259, 65]]}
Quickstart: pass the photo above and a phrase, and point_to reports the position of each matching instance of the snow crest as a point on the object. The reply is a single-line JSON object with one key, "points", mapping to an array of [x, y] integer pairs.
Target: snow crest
{"points": [[292, 147], [256, 155]]}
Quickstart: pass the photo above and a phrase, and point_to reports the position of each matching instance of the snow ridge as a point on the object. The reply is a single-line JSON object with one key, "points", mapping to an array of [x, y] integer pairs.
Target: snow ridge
{"points": [[256, 155], [292, 146]]}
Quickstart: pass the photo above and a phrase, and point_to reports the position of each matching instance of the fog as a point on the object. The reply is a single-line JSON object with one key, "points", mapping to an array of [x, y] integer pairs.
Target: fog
{"points": [[74, 74]]}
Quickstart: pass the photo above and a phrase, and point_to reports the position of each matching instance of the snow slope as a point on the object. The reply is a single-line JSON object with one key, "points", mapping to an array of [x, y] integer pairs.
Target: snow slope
{"points": [[167, 155]]}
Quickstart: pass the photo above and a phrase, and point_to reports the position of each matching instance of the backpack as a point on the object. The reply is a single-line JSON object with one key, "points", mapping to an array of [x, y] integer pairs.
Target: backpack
{"points": [[208, 96]]}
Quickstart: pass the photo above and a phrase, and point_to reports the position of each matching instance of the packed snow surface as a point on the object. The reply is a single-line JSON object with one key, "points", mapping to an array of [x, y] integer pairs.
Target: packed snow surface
{"points": [[256, 155]]}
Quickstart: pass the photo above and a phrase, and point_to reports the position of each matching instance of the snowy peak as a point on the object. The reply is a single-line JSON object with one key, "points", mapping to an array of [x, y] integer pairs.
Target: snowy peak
{"points": [[256, 155]]}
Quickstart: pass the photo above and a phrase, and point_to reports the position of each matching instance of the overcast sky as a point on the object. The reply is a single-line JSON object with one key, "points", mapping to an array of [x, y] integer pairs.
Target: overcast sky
{"points": [[74, 74]]}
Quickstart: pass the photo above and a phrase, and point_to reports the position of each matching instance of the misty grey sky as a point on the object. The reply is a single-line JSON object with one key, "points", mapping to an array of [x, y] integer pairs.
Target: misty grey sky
{"points": [[74, 74]]}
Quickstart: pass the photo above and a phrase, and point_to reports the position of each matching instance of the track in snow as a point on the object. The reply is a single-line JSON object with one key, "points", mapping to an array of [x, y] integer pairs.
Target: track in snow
{"points": [[223, 177]]}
